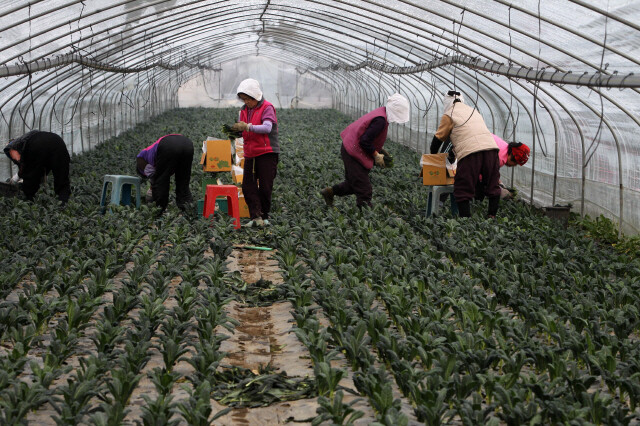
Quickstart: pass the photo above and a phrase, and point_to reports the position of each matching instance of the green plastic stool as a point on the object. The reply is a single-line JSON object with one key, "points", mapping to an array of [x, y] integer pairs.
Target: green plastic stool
{"points": [[221, 204], [120, 190]]}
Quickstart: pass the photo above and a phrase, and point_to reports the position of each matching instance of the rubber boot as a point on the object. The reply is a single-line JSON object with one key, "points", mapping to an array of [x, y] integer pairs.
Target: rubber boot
{"points": [[327, 194], [494, 202], [464, 208]]}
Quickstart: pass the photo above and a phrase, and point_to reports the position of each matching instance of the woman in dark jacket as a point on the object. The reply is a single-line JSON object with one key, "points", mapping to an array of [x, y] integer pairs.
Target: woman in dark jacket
{"points": [[36, 154]]}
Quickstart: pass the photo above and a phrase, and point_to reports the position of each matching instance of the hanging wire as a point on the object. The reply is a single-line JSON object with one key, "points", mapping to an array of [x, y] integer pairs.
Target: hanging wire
{"points": [[536, 87], [512, 135], [262, 31], [456, 45], [598, 136], [29, 86]]}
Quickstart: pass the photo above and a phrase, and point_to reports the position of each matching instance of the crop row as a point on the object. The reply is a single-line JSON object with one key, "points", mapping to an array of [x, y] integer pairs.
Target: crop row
{"points": [[79, 327], [515, 320], [464, 335]]}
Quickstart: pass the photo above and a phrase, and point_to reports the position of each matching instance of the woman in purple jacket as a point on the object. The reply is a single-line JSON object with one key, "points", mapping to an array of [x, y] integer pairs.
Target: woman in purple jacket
{"points": [[169, 155], [362, 142]]}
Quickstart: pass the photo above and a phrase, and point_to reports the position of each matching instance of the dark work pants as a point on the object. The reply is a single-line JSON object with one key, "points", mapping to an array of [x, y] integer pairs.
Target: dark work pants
{"points": [[257, 183], [175, 156], [43, 153], [356, 180], [483, 163]]}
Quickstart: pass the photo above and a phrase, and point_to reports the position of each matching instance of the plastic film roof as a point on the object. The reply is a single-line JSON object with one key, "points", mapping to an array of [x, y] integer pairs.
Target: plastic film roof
{"points": [[559, 75]]}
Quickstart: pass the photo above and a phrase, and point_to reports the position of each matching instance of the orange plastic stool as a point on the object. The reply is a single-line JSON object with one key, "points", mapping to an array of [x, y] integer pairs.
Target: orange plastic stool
{"points": [[229, 191]]}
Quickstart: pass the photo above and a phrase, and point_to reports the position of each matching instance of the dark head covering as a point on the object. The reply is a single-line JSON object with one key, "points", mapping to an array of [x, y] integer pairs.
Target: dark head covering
{"points": [[19, 143]]}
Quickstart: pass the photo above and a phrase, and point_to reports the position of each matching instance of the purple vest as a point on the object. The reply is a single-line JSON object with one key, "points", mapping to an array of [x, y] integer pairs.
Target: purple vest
{"points": [[351, 137]]}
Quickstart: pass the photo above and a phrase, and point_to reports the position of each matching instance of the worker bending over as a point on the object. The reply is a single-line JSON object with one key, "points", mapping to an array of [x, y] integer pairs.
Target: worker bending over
{"points": [[475, 149], [169, 155], [362, 143], [36, 154]]}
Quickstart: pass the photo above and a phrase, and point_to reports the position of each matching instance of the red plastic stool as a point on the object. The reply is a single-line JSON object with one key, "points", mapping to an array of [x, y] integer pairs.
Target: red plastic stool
{"points": [[229, 191]]}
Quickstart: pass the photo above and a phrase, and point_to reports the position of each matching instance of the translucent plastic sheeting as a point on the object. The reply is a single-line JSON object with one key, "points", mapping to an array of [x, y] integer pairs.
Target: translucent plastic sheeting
{"points": [[281, 84], [584, 150]]}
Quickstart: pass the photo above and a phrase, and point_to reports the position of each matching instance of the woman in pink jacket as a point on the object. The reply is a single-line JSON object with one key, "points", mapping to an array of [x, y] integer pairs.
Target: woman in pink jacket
{"points": [[362, 142], [259, 126], [510, 154]]}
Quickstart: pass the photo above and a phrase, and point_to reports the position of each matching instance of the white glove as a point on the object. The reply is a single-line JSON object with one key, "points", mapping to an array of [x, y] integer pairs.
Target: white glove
{"points": [[14, 179]]}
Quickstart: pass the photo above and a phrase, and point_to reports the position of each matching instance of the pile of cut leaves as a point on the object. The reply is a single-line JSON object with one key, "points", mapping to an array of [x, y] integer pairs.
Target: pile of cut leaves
{"points": [[259, 294], [229, 132], [240, 387]]}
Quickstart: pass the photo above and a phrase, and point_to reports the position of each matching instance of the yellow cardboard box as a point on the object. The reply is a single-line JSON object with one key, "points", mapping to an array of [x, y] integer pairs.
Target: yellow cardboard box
{"points": [[434, 170], [244, 209], [236, 174], [217, 157]]}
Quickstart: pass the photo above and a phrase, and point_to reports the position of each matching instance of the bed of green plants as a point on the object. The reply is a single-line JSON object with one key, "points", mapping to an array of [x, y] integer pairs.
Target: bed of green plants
{"points": [[515, 320]]}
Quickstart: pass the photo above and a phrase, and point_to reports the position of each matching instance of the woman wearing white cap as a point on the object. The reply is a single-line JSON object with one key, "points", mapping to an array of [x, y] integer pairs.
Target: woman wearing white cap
{"points": [[362, 142], [259, 127]]}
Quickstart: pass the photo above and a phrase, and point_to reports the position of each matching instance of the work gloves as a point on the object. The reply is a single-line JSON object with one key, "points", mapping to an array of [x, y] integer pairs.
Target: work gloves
{"points": [[240, 126], [15, 179], [149, 170], [379, 159]]}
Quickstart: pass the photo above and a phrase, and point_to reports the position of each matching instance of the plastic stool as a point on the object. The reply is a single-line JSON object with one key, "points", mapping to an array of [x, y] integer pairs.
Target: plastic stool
{"points": [[433, 199], [229, 191], [120, 189]]}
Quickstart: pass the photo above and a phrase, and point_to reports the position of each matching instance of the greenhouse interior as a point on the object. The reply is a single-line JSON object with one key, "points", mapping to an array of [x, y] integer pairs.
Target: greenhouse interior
{"points": [[159, 266]]}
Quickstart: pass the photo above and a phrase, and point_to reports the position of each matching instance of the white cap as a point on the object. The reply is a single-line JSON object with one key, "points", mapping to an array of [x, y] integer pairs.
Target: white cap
{"points": [[251, 88], [447, 100], [397, 109]]}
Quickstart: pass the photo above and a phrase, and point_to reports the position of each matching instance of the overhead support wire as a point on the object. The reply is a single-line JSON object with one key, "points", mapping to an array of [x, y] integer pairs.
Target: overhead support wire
{"points": [[262, 31], [26, 68], [532, 74]]}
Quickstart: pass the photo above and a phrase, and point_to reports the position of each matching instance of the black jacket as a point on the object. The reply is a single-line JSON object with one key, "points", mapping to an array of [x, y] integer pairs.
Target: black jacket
{"points": [[40, 153]]}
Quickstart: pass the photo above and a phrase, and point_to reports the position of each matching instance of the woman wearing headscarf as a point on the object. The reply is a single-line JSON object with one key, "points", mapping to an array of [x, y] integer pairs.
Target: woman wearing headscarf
{"points": [[475, 149], [510, 154], [169, 155], [36, 154], [259, 127], [362, 143]]}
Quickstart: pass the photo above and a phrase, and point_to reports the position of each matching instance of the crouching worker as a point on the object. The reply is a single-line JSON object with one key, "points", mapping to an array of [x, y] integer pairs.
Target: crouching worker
{"points": [[36, 154], [475, 149], [362, 143], [169, 155]]}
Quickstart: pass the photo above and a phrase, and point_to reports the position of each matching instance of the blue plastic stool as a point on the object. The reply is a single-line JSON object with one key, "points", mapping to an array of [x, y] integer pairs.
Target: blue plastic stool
{"points": [[120, 190], [433, 199]]}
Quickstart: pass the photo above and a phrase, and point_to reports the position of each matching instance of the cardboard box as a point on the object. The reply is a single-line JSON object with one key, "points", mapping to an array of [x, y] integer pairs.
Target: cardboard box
{"points": [[216, 156], [434, 170], [236, 174], [244, 209]]}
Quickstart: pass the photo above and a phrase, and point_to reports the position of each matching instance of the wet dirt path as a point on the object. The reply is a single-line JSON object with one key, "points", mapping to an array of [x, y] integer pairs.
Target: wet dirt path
{"points": [[265, 335]]}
